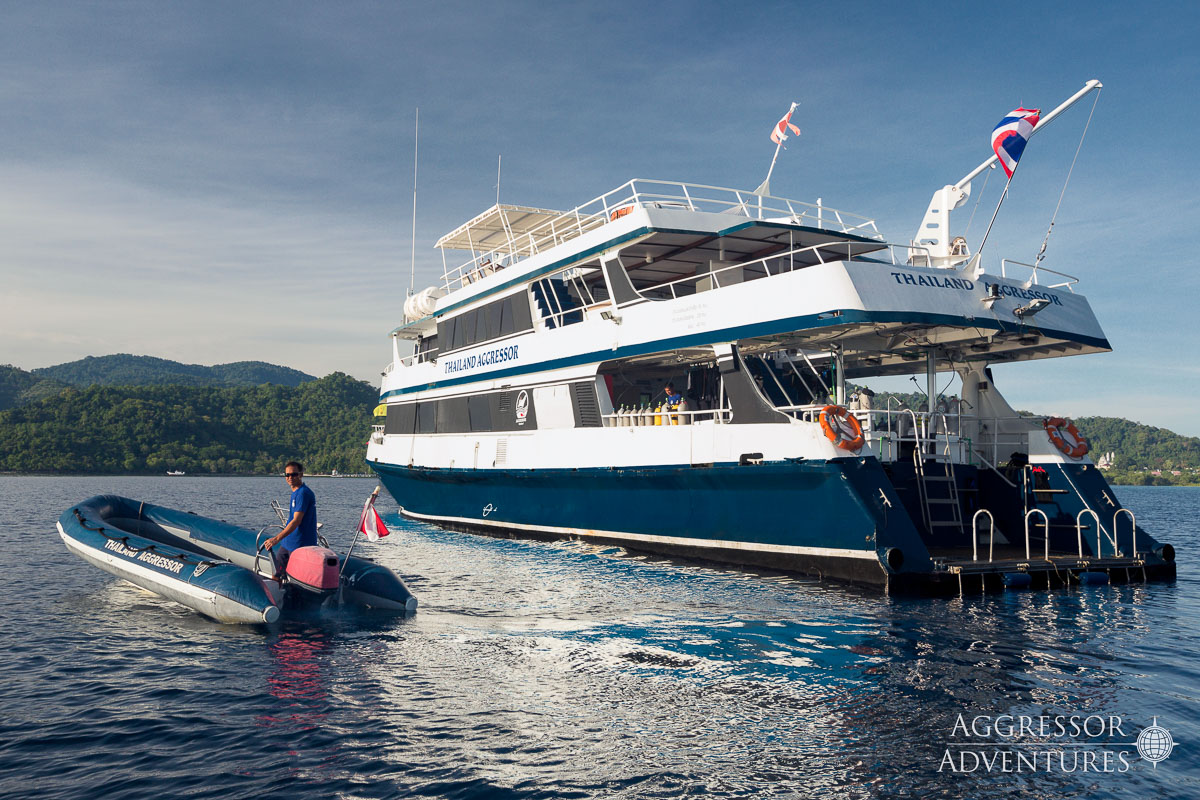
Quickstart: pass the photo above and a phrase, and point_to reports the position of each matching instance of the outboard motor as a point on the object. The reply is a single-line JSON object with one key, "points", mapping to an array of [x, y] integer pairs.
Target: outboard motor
{"points": [[313, 568]]}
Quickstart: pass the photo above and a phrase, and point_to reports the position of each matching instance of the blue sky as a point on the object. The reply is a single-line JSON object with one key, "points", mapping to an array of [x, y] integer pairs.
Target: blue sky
{"points": [[214, 182]]}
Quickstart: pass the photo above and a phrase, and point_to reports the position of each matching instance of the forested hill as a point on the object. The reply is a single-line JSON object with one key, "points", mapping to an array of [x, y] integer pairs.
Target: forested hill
{"points": [[128, 370], [1139, 446], [18, 387], [151, 429], [1136, 446]]}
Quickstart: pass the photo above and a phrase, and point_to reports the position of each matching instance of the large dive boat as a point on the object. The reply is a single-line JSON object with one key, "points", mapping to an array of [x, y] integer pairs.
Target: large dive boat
{"points": [[526, 394]]}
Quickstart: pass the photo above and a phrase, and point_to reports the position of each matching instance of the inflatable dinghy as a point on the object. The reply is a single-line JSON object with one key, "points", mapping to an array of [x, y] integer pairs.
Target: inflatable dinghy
{"points": [[218, 569]]}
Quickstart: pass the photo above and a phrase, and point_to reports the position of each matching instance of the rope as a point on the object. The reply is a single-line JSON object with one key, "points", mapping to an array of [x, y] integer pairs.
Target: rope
{"points": [[124, 540], [978, 198], [1042, 252]]}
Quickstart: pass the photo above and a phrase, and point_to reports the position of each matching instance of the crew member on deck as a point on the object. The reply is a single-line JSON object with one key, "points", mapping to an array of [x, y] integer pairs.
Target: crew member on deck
{"points": [[301, 529], [673, 397]]}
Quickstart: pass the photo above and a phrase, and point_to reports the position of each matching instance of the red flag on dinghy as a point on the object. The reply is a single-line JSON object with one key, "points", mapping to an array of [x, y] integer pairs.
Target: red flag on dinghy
{"points": [[370, 524]]}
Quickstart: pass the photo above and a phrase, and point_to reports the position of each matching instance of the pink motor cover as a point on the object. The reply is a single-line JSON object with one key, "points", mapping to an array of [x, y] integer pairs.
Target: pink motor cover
{"points": [[314, 566]]}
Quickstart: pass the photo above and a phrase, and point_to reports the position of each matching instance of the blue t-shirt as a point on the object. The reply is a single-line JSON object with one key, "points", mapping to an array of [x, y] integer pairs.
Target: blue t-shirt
{"points": [[305, 534]]}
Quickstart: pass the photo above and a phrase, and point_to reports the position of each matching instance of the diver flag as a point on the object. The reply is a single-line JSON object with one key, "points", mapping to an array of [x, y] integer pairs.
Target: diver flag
{"points": [[1010, 136], [370, 524], [780, 131]]}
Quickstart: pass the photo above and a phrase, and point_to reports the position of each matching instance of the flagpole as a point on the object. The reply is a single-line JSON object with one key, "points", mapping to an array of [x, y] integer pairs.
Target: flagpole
{"points": [[765, 187], [1003, 195], [370, 502]]}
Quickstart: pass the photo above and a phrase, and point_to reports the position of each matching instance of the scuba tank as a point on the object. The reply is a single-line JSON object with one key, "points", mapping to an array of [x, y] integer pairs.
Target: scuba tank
{"points": [[682, 418]]}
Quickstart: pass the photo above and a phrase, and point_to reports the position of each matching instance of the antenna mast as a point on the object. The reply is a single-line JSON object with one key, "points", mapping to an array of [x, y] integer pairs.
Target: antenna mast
{"points": [[412, 281]]}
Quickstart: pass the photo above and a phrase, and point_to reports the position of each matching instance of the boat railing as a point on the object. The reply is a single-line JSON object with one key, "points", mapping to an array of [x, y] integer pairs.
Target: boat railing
{"points": [[651, 418], [776, 264], [1035, 270], [641, 192]]}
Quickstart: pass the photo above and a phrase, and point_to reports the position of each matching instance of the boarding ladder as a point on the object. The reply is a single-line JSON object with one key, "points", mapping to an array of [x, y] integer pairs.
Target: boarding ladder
{"points": [[938, 489]]}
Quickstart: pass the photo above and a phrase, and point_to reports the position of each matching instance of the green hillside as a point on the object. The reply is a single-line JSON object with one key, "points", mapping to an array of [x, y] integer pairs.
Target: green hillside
{"points": [[1138, 449], [128, 370], [47, 426], [18, 387], [151, 429]]}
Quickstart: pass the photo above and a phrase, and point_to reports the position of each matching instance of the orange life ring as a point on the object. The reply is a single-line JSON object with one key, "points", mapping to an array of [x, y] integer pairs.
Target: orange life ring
{"points": [[620, 212], [842, 428], [1066, 437]]}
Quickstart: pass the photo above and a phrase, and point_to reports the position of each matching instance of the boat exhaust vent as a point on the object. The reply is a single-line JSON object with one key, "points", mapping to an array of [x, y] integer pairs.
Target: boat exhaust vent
{"points": [[501, 452]]}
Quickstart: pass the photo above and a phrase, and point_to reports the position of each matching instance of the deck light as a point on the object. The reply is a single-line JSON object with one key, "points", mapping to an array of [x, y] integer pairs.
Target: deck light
{"points": [[1031, 309]]}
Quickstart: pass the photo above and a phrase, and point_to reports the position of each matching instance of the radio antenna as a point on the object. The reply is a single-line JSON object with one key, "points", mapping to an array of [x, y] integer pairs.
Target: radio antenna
{"points": [[498, 180], [412, 281]]}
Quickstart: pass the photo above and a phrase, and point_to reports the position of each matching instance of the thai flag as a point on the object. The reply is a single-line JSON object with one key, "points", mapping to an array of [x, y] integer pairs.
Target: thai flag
{"points": [[780, 131], [1010, 136], [370, 525]]}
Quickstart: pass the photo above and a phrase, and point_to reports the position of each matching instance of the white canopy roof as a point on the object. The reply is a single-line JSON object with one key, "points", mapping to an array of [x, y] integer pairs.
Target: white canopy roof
{"points": [[497, 228]]}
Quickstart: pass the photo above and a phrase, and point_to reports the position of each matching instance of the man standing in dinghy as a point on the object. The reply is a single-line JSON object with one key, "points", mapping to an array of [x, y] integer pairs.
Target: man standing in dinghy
{"points": [[301, 529]]}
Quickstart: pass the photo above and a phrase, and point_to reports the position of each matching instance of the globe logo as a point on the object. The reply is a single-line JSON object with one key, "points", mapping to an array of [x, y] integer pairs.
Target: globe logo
{"points": [[1154, 743]]}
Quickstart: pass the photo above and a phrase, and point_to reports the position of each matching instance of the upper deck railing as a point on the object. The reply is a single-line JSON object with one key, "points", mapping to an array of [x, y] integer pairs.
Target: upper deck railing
{"points": [[611, 206]]}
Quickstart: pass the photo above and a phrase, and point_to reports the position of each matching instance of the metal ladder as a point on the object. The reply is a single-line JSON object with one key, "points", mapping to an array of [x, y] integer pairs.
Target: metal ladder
{"points": [[947, 479]]}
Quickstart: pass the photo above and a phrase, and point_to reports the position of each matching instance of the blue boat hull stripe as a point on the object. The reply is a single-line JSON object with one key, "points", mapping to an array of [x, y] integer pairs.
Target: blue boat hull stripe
{"points": [[807, 322], [832, 552]]}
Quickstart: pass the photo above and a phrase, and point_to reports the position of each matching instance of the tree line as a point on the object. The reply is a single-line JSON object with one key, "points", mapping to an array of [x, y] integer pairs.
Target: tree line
{"points": [[218, 430]]}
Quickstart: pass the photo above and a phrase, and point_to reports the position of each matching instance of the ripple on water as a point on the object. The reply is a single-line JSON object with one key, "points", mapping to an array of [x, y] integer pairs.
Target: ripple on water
{"points": [[562, 670]]}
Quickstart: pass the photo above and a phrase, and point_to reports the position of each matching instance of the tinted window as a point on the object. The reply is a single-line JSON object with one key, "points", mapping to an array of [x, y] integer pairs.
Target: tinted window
{"points": [[506, 316], [427, 416], [464, 323], [522, 321], [480, 408]]}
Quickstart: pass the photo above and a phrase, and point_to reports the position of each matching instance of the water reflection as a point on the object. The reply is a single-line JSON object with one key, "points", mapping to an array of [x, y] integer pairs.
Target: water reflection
{"points": [[298, 677]]}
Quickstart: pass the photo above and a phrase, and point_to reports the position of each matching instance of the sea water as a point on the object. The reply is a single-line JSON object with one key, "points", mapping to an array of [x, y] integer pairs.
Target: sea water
{"points": [[539, 669]]}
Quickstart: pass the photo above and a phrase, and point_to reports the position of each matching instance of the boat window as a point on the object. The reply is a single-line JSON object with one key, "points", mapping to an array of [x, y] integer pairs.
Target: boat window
{"points": [[466, 323], [497, 319], [481, 332], [427, 416], [522, 318], [426, 350], [479, 409], [506, 316], [400, 418], [452, 415], [491, 320], [446, 331]]}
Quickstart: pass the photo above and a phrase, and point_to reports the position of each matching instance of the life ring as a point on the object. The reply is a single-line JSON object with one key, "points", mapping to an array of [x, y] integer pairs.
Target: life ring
{"points": [[842, 428], [620, 212], [1066, 437]]}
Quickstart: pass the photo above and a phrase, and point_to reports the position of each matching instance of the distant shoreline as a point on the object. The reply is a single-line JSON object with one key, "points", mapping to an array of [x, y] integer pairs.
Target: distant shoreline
{"points": [[358, 475]]}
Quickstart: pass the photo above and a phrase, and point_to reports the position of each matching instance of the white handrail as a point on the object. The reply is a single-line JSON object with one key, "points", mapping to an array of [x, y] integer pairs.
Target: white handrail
{"points": [[975, 535], [1133, 521], [655, 194], [1045, 525], [1079, 530], [1035, 269]]}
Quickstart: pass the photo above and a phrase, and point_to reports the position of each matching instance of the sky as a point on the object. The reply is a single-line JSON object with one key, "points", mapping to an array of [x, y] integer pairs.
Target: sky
{"points": [[227, 181]]}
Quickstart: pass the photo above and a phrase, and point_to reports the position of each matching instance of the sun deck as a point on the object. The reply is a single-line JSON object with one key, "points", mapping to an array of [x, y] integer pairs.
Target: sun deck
{"points": [[504, 235]]}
